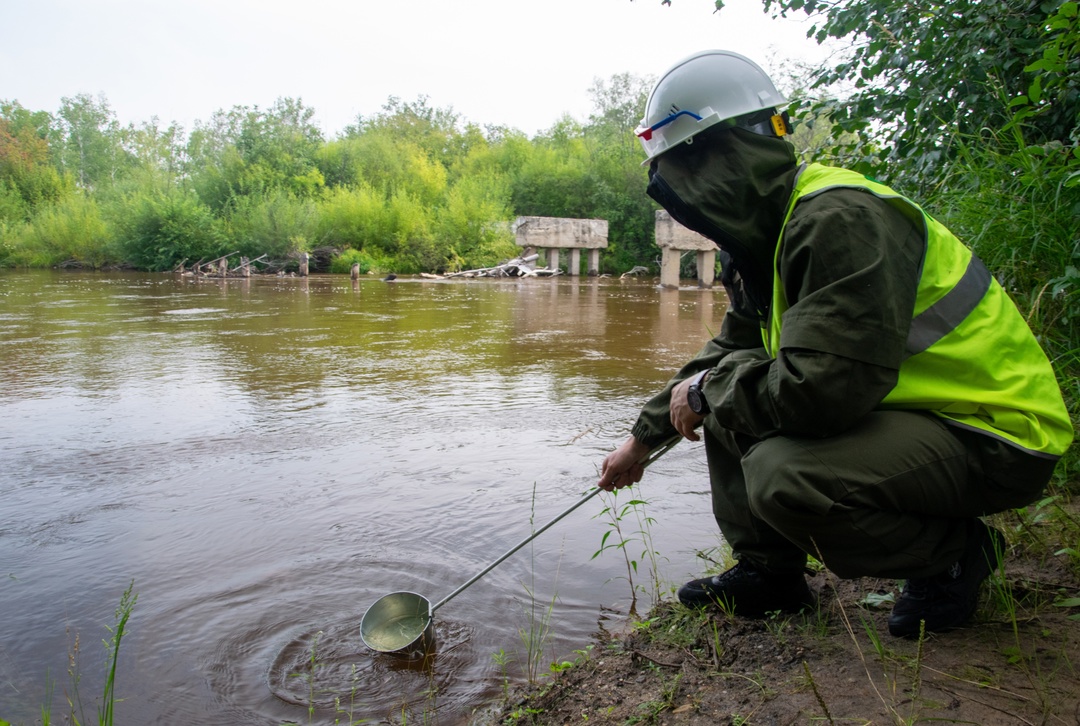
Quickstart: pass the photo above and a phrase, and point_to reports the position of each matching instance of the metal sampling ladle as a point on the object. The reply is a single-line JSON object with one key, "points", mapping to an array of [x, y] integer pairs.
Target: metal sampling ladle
{"points": [[404, 622]]}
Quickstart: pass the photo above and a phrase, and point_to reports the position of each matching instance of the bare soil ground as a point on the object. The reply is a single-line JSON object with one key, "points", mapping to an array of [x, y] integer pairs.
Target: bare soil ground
{"points": [[1018, 662]]}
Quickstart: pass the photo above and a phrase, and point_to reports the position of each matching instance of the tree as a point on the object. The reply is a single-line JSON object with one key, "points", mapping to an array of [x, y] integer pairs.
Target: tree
{"points": [[91, 147], [435, 130], [284, 141], [213, 160], [27, 177], [157, 151], [922, 73], [249, 151], [619, 104], [385, 161]]}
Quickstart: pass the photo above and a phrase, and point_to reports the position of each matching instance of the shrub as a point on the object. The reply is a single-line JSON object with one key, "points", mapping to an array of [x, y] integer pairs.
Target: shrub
{"points": [[353, 218], [276, 224], [471, 225], [342, 264], [166, 229], [73, 231]]}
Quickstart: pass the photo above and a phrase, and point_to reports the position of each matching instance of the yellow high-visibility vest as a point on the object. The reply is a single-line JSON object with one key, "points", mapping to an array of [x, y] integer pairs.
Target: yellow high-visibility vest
{"points": [[970, 356]]}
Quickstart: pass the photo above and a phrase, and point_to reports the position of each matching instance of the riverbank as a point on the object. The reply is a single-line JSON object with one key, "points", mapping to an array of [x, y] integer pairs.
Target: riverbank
{"points": [[1018, 662]]}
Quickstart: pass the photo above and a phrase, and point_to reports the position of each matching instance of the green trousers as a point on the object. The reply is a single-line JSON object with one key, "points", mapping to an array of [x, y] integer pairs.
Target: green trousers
{"points": [[896, 496]]}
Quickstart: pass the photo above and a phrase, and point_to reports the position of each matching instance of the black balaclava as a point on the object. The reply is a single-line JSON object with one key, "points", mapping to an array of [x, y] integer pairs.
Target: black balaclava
{"points": [[732, 186]]}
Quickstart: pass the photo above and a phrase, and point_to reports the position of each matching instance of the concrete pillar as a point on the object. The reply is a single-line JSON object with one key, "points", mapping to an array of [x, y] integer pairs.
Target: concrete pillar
{"points": [[669, 267], [553, 258], [574, 264], [706, 267], [594, 263]]}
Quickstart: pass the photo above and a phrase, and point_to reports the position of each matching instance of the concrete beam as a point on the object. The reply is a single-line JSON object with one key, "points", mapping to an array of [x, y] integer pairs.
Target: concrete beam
{"points": [[561, 233], [670, 233]]}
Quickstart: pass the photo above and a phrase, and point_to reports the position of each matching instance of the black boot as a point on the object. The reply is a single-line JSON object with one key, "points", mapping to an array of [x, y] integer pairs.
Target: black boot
{"points": [[949, 599], [750, 591]]}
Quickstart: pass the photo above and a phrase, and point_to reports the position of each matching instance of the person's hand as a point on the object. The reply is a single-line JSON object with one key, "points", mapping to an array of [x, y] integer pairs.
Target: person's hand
{"points": [[622, 467], [682, 418]]}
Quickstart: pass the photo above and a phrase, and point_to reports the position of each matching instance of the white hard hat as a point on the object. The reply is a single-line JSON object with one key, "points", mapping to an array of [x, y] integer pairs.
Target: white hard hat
{"points": [[701, 91]]}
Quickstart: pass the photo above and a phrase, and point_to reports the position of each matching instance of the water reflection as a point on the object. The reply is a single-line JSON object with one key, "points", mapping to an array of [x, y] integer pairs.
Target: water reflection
{"points": [[267, 457]]}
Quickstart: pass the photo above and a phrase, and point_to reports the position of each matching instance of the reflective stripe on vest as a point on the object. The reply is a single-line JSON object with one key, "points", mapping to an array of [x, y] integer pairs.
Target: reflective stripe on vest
{"points": [[934, 323], [970, 357]]}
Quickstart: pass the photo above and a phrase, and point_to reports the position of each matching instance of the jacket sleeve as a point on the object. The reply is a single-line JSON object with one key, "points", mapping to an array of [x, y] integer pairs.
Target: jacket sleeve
{"points": [[737, 332], [849, 263]]}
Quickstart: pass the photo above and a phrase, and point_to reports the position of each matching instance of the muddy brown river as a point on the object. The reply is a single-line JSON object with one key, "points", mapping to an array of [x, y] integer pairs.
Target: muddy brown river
{"points": [[264, 459]]}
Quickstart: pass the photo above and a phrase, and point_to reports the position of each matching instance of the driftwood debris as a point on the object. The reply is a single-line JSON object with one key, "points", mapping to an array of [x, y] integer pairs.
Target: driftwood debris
{"points": [[219, 267], [635, 271], [517, 267]]}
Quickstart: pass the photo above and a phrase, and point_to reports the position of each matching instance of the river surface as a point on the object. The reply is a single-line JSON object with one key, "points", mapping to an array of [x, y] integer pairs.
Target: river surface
{"points": [[265, 459]]}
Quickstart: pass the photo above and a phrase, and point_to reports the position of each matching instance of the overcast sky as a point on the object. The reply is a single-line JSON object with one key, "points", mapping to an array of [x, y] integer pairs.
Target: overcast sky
{"points": [[520, 63]]}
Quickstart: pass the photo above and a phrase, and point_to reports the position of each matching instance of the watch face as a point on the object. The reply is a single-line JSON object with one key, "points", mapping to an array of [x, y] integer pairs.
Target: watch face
{"points": [[695, 400]]}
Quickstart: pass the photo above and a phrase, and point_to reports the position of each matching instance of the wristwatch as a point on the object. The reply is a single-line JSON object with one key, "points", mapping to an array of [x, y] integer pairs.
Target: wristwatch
{"points": [[695, 398]]}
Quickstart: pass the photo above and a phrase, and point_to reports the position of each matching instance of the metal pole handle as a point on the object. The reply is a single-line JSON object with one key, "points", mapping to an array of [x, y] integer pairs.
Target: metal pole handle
{"points": [[649, 458]]}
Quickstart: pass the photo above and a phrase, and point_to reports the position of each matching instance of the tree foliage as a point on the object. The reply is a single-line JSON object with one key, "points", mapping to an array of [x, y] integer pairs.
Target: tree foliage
{"points": [[409, 189], [27, 178], [916, 75], [90, 144]]}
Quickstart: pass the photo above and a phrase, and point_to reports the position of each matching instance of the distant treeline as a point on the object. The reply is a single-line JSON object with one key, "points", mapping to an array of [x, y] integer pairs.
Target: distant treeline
{"points": [[411, 189]]}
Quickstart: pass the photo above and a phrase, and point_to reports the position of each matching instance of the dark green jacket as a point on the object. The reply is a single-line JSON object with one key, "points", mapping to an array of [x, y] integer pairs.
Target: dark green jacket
{"points": [[859, 334], [851, 259]]}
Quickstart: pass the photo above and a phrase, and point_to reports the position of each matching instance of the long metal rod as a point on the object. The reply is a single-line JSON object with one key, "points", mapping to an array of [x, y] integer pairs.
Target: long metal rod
{"points": [[649, 458]]}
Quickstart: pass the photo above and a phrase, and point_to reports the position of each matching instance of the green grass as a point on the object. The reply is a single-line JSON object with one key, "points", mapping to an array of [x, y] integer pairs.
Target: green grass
{"points": [[106, 707]]}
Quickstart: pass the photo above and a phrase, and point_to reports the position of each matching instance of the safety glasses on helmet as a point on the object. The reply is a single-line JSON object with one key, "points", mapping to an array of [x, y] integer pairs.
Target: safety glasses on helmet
{"points": [[767, 123]]}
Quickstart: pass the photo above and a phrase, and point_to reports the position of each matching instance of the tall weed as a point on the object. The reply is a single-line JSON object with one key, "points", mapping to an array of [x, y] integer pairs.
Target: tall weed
{"points": [[106, 708], [74, 231], [1018, 206]]}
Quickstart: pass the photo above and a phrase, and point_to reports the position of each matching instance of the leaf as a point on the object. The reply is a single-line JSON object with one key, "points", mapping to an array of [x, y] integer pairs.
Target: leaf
{"points": [[1072, 602], [878, 600], [1043, 64], [1035, 89]]}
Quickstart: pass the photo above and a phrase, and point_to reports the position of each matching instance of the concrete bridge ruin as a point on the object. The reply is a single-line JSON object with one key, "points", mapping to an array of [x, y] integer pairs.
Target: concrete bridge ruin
{"points": [[673, 239], [549, 235]]}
